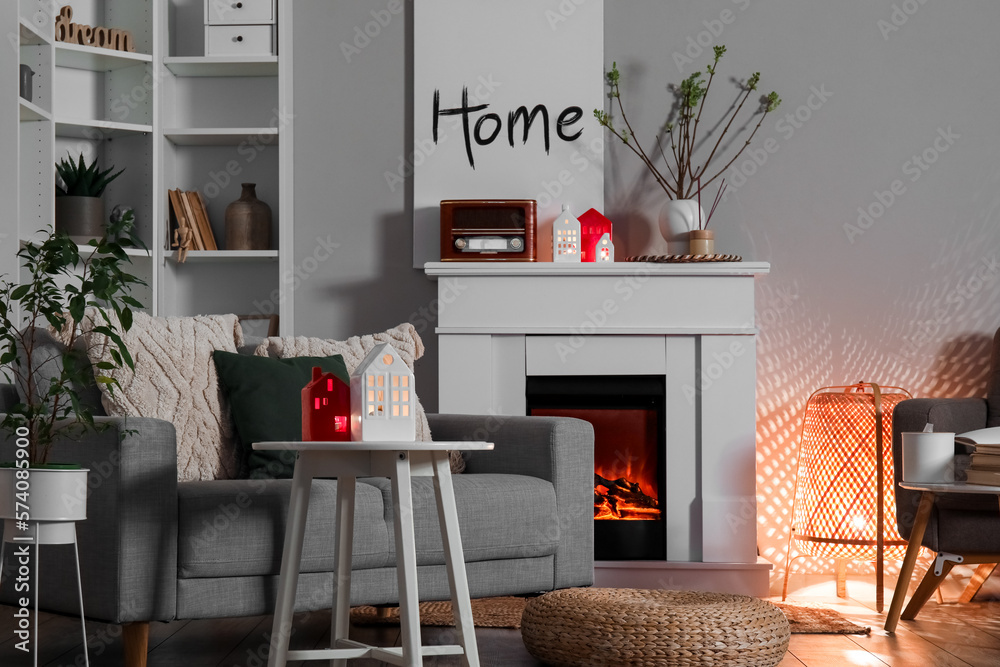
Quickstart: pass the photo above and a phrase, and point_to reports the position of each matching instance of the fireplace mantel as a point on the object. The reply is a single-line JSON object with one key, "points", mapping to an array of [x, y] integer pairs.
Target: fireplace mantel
{"points": [[499, 323]]}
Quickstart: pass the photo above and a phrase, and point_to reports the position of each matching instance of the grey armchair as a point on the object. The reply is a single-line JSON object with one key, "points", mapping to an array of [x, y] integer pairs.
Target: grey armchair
{"points": [[963, 524]]}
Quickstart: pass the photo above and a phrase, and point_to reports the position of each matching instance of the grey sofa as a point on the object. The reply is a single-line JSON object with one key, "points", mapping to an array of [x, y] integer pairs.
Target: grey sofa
{"points": [[964, 524], [153, 549]]}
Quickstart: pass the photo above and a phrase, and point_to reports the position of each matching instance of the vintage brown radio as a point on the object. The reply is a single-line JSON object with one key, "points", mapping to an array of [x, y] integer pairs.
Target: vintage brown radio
{"points": [[483, 230]]}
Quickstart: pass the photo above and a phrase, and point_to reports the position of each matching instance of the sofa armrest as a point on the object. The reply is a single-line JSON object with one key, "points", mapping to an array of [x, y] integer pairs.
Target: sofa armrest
{"points": [[128, 543], [557, 449]]}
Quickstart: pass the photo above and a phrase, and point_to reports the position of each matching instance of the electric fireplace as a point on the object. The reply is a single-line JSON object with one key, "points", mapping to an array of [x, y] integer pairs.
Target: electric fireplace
{"points": [[627, 413], [506, 329]]}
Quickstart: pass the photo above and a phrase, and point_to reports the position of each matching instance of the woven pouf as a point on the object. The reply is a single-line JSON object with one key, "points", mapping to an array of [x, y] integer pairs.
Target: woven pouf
{"points": [[625, 627]]}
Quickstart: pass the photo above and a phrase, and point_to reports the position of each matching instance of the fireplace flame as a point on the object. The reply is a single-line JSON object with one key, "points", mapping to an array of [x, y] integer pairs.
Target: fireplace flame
{"points": [[623, 499]]}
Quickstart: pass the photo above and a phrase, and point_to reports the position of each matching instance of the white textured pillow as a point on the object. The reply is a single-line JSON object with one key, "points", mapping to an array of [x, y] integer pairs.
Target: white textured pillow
{"points": [[404, 338], [175, 379]]}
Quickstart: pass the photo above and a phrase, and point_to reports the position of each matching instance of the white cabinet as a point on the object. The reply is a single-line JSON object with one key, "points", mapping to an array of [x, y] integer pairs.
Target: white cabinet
{"points": [[240, 27], [172, 117]]}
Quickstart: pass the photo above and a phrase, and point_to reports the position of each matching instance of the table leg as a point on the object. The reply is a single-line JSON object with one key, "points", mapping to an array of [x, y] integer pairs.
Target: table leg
{"points": [[406, 560], [925, 590], [454, 559], [291, 557], [910, 560], [341, 620]]}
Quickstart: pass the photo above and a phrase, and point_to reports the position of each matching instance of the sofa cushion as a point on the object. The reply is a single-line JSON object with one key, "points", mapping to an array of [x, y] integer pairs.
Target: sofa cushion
{"points": [[486, 504], [233, 528], [175, 380], [403, 338], [265, 399]]}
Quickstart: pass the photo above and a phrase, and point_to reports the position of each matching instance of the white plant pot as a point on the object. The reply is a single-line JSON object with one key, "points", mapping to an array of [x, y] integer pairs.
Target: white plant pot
{"points": [[52, 494], [678, 217]]}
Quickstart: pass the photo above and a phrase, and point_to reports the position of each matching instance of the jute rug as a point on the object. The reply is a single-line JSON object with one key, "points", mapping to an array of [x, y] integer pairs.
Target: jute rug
{"points": [[505, 612]]}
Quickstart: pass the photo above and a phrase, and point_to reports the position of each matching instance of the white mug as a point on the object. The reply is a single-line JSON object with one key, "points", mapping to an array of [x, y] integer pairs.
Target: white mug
{"points": [[929, 457]]}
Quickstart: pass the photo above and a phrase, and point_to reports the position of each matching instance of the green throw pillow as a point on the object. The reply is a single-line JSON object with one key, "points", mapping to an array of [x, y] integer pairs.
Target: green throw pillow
{"points": [[265, 397]]}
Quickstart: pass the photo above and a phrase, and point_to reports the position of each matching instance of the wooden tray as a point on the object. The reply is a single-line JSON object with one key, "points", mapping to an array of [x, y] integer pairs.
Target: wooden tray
{"points": [[684, 258]]}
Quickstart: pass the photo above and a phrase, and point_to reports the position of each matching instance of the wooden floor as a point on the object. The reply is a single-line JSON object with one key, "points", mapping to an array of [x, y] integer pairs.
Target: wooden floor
{"points": [[947, 634]]}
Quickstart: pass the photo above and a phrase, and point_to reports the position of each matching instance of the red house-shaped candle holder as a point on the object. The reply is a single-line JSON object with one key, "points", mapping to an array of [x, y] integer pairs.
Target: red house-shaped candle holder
{"points": [[593, 226], [326, 408]]}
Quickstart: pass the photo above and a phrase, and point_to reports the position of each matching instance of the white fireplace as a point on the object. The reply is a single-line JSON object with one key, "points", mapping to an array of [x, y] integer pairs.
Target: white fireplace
{"points": [[691, 324]]}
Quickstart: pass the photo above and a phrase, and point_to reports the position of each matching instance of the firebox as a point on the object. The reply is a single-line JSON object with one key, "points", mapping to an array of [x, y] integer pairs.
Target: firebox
{"points": [[628, 415]]}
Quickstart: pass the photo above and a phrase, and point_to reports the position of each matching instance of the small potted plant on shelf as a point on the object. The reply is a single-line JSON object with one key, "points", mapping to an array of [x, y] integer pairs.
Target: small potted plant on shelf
{"points": [[682, 177], [79, 209], [61, 286]]}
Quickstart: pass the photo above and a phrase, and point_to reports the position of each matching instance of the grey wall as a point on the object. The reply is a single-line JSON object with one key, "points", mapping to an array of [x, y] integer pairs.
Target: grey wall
{"points": [[911, 300], [352, 126]]}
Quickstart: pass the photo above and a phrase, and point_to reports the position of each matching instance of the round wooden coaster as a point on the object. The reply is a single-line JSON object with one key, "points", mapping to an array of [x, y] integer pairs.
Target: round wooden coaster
{"points": [[684, 258]]}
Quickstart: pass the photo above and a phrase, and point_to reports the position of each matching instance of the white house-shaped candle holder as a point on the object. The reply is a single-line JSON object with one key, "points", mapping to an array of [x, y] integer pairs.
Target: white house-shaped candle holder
{"points": [[566, 237], [383, 403], [604, 251]]}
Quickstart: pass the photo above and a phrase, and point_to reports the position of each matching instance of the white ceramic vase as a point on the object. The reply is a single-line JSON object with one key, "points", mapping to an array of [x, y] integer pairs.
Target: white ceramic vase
{"points": [[678, 217]]}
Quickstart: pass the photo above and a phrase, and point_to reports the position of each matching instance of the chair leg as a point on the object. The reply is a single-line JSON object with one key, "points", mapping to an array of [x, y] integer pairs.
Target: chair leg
{"points": [[136, 638], [927, 586], [979, 578]]}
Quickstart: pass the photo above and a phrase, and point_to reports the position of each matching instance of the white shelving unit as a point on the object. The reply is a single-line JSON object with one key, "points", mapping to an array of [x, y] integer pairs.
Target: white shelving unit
{"points": [[221, 136], [95, 59], [222, 66], [31, 111], [172, 117], [220, 128], [216, 256]]}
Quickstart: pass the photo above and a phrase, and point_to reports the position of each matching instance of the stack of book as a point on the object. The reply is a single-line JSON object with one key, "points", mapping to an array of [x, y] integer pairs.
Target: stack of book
{"points": [[193, 231], [984, 462]]}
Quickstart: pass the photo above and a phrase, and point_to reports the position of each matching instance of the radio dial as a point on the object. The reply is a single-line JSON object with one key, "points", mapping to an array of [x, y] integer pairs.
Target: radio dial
{"points": [[460, 243], [515, 244]]}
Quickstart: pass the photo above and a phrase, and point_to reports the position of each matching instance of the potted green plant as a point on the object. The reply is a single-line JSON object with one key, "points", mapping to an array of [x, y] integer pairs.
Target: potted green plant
{"points": [[683, 178], [79, 209], [60, 287]]}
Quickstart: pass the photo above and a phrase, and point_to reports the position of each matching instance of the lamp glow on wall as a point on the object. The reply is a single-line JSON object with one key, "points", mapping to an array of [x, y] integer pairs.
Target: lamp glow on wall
{"points": [[845, 505]]}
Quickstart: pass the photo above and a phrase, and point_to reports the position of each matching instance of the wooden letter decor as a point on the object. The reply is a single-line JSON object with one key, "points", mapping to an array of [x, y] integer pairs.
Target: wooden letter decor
{"points": [[105, 38]]}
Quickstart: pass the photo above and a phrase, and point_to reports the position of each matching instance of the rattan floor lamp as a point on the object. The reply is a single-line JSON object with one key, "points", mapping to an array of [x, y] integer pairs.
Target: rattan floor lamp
{"points": [[845, 505]]}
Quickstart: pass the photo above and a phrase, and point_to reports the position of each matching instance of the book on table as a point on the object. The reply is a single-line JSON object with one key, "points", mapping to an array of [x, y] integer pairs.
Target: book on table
{"points": [[987, 477], [983, 448]]}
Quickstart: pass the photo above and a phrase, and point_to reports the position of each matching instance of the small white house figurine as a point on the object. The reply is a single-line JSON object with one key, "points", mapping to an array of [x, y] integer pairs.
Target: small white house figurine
{"points": [[382, 398], [604, 251], [566, 237]]}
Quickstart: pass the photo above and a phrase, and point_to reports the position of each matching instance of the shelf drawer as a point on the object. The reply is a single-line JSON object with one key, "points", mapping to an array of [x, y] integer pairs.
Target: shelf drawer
{"points": [[239, 40], [229, 12]]}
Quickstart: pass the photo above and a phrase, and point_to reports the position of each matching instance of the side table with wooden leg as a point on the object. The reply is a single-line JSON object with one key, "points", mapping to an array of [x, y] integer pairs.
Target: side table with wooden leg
{"points": [[928, 492], [400, 461]]}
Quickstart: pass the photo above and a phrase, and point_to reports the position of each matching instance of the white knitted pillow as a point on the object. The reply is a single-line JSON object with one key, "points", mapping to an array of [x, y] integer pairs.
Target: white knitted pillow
{"points": [[175, 379]]}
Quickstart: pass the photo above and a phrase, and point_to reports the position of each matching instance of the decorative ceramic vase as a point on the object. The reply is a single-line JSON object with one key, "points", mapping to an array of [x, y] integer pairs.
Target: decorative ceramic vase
{"points": [[81, 218], [702, 242], [679, 217], [25, 84], [248, 222]]}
